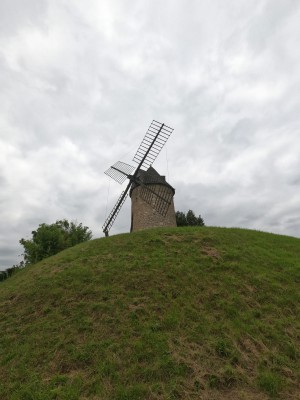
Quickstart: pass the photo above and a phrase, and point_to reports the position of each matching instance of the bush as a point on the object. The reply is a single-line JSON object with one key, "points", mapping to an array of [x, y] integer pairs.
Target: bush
{"points": [[10, 271]]}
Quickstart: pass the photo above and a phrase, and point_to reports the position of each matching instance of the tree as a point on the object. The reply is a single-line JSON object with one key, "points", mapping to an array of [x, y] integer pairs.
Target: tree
{"points": [[181, 218], [48, 240], [188, 219]]}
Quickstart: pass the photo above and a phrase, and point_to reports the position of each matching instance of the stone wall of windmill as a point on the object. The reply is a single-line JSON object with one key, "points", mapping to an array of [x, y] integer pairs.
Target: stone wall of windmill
{"points": [[144, 215]]}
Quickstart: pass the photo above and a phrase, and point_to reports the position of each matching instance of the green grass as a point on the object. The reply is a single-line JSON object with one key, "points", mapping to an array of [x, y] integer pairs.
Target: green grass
{"points": [[186, 313]]}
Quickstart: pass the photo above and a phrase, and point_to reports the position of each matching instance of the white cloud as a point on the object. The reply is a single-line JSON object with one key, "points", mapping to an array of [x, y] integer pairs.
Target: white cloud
{"points": [[80, 83]]}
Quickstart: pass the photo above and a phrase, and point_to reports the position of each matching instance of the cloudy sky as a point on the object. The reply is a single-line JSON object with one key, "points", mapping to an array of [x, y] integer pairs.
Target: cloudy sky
{"points": [[82, 80]]}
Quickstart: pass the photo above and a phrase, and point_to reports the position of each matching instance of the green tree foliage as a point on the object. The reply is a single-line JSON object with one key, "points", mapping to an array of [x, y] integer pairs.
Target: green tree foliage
{"points": [[188, 219], [48, 240]]}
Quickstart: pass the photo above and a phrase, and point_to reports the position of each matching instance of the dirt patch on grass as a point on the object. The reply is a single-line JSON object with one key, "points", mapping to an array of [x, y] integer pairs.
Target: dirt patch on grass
{"points": [[251, 348], [211, 252]]}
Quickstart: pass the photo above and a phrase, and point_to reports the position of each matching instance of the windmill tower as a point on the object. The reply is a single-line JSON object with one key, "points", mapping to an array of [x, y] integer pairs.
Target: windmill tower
{"points": [[151, 196], [147, 209]]}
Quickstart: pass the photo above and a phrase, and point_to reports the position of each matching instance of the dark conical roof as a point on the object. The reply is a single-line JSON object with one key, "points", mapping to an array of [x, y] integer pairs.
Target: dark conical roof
{"points": [[150, 177]]}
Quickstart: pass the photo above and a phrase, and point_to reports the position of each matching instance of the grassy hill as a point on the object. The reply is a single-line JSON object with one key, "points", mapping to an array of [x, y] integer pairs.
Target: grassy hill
{"points": [[186, 313]]}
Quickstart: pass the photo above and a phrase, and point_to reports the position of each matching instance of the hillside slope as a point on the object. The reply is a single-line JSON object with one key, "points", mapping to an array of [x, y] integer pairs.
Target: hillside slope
{"points": [[186, 313]]}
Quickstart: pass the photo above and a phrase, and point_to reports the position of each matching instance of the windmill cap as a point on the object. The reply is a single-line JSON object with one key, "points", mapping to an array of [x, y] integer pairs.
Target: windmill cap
{"points": [[150, 177]]}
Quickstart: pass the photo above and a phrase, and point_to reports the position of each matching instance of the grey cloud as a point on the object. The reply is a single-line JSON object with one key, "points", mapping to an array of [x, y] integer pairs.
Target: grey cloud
{"points": [[15, 15], [242, 133], [296, 181], [271, 18], [3, 180], [79, 86]]}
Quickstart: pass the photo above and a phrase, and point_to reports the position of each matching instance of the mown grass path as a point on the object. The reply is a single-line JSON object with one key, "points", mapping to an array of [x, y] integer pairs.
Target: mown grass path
{"points": [[186, 313]]}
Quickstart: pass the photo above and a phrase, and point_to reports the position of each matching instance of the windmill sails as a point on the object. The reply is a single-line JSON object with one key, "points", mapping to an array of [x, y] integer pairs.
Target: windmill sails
{"points": [[115, 211], [157, 196], [150, 147], [120, 171], [154, 140]]}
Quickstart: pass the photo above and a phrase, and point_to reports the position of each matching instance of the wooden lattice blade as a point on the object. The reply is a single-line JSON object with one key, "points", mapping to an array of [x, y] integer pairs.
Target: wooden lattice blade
{"points": [[115, 211], [157, 196], [154, 140], [119, 171]]}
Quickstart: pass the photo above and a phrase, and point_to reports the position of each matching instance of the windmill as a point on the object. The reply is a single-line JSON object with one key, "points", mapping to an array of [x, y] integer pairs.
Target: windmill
{"points": [[149, 186]]}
